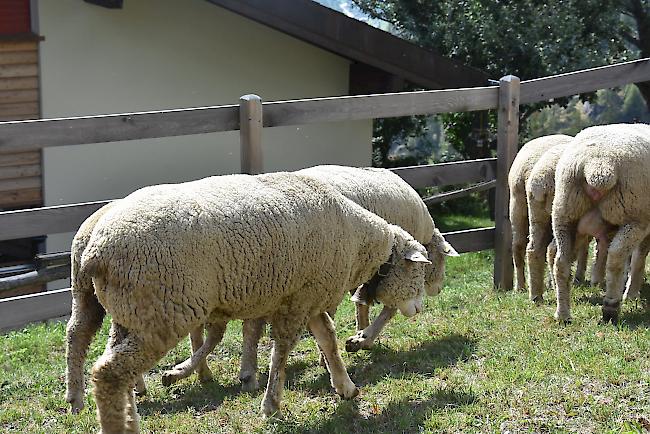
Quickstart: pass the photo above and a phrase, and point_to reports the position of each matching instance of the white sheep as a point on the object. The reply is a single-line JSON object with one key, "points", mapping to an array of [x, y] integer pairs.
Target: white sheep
{"points": [[167, 259], [390, 197], [540, 190], [519, 173], [608, 168]]}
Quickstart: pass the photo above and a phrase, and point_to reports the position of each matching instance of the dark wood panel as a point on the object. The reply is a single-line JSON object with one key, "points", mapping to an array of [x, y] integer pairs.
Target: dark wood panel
{"points": [[471, 240]]}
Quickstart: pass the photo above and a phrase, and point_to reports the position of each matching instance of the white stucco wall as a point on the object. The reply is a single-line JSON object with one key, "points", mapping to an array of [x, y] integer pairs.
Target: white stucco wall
{"points": [[161, 54]]}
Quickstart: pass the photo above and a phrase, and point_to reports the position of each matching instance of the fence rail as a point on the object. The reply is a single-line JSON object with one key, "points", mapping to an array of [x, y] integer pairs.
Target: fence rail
{"points": [[23, 135]]}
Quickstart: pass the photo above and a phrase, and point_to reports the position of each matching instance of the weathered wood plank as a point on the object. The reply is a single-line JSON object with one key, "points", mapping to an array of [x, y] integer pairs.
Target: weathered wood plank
{"points": [[20, 183], [18, 45], [507, 145], [48, 220], [573, 83], [21, 70], [17, 198], [27, 135], [20, 159], [458, 172], [17, 83], [18, 57], [11, 96], [347, 108], [471, 240], [463, 192], [18, 311], [4, 118], [19, 109], [250, 134], [42, 275], [20, 171]]}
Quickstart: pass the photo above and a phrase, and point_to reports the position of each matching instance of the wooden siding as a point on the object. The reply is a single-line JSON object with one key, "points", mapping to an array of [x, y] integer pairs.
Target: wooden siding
{"points": [[20, 172]]}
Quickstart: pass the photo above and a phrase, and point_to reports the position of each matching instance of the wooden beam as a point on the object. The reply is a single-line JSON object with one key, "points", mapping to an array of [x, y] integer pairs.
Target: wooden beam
{"points": [[17, 136], [586, 80], [250, 134], [463, 192], [48, 220], [42, 275], [507, 145], [15, 312], [459, 172], [347, 108]]}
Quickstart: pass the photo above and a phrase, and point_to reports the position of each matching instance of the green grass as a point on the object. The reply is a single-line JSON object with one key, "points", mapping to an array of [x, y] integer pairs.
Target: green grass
{"points": [[474, 361]]}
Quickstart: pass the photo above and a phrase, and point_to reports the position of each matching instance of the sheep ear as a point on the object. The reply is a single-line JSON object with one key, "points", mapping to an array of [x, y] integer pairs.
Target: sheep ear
{"points": [[415, 256], [361, 296], [448, 250]]}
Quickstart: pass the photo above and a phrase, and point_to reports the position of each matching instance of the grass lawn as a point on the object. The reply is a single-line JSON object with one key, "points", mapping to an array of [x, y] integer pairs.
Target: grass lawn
{"points": [[474, 361]]}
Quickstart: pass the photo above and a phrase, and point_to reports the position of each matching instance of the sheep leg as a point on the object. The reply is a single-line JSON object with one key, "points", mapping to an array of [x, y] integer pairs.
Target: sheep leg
{"points": [[620, 250], [365, 338], [322, 360], [86, 319], [322, 328], [564, 241], [519, 221], [637, 270], [196, 340], [362, 315], [285, 332], [598, 269], [185, 369], [551, 251], [114, 375], [140, 386], [252, 330], [540, 236], [582, 253]]}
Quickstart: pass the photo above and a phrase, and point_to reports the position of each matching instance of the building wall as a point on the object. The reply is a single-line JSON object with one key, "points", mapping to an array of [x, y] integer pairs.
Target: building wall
{"points": [[161, 54]]}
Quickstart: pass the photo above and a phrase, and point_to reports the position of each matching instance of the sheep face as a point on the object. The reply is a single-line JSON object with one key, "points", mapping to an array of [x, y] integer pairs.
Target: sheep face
{"points": [[402, 286], [438, 249]]}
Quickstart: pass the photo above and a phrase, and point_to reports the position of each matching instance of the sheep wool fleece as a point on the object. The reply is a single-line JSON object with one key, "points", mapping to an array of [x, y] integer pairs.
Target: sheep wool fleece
{"points": [[607, 167], [169, 258]]}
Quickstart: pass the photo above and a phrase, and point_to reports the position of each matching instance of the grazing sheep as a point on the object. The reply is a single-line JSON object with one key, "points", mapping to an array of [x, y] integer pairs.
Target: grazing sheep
{"points": [[390, 197], [170, 258], [519, 173], [608, 168]]}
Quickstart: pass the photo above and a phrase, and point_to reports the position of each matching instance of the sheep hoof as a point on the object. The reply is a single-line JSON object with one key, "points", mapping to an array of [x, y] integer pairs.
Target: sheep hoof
{"points": [[538, 300], [248, 383], [357, 342], [611, 311], [76, 403], [169, 377], [140, 387], [271, 411], [348, 392], [205, 376]]}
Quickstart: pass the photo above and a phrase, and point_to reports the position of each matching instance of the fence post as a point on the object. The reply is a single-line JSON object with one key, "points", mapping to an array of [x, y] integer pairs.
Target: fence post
{"points": [[250, 134], [507, 145]]}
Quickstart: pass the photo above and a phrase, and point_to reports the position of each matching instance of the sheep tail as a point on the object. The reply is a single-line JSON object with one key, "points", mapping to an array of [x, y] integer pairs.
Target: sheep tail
{"points": [[600, 174]]}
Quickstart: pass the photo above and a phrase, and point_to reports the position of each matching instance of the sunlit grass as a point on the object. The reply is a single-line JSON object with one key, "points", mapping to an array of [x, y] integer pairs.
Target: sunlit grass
{"points": [[474, 361]]}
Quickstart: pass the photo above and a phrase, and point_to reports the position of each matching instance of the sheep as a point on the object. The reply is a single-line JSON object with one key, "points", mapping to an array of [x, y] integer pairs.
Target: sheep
{"points": [[540, 190], [378, 190], [390, 197], [167, 259], [608, 168], [519, 172]]}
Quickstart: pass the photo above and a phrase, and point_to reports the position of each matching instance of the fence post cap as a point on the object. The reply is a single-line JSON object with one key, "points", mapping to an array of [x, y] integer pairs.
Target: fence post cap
{"points": [[509, 78], [250, 97]]}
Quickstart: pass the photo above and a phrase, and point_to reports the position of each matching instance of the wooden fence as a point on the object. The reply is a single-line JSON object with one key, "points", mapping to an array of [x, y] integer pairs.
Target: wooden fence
{"points": [[251, 116]]}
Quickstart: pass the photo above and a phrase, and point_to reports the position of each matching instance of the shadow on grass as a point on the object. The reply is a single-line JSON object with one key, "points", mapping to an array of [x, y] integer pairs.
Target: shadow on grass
{"points": [[401, 416], [203, 397], [385, 362]]}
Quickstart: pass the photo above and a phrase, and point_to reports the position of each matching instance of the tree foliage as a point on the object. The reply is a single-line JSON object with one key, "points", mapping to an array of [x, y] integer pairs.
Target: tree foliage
{"points": [[527, 38]]}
